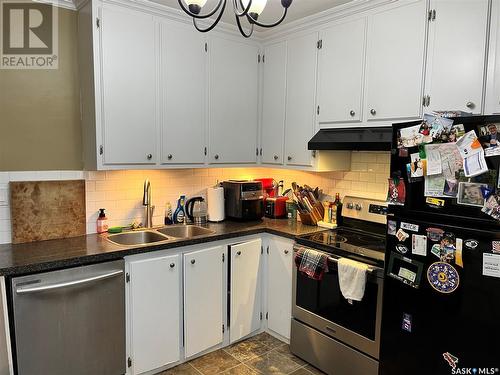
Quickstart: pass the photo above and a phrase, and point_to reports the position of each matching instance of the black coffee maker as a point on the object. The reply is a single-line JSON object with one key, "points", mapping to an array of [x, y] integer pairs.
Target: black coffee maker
{"points": [[244, 200]]}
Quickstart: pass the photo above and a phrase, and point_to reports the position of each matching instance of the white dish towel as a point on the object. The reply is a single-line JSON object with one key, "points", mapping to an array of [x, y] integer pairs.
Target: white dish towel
{"points": [[352, 279]]}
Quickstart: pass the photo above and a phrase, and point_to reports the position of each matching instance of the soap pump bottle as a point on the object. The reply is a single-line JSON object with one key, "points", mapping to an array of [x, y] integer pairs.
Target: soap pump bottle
{"points": [[102, 225], [179, 211], [168, 214]]}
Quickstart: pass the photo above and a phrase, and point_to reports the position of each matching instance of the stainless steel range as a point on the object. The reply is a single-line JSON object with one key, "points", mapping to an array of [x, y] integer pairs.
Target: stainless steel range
{"points": [[337, 337]]}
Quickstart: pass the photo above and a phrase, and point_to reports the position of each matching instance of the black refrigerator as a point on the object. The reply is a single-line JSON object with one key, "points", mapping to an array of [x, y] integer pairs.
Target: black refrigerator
{"points": [[441, 306]]}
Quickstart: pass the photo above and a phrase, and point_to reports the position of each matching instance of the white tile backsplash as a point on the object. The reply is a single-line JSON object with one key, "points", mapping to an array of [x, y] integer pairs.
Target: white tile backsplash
{"points": [[120, 192]]}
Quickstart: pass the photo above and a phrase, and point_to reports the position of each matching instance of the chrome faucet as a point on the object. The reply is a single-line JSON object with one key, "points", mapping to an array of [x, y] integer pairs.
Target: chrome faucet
{"points": [[146, 202]]}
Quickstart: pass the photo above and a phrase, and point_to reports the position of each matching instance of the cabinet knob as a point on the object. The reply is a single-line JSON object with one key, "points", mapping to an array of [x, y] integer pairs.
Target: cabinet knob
{"points": [[172, 265], [373, 112], [470, 105], [216, 157], [169, 156], [149, 156], [286, 252], [289, 158], [193, 261], [238, 253], [352, 113], [276, 157]]}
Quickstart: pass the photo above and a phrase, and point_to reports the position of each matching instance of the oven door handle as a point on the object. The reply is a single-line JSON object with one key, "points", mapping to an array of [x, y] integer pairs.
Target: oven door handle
{"points": [[335, 260], [370, 269]]}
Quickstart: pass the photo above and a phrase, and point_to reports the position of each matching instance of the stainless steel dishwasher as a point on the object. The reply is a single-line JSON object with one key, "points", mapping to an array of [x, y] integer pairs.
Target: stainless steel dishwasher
{"points": [[71, 321]]}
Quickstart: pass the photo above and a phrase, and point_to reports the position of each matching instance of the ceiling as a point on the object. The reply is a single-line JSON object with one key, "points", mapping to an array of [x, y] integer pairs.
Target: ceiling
{"points": [[273, 11]]}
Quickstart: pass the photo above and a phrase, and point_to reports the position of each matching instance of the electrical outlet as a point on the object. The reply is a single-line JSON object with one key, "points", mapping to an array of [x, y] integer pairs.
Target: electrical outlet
{"points": [[3, 197]]}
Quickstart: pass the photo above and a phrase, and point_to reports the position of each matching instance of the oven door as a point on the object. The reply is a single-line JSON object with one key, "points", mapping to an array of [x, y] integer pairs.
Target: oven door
{"points": [[320, 304]]}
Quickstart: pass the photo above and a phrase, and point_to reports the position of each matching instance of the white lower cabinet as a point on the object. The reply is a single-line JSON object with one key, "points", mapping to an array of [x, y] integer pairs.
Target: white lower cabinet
{"points": [[204, 293], [155, 312], [279, 285], [245, 289]]}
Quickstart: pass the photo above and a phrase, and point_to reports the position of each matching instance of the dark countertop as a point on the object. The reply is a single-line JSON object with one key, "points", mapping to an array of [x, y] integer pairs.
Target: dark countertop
{"points": [[55, 254]]}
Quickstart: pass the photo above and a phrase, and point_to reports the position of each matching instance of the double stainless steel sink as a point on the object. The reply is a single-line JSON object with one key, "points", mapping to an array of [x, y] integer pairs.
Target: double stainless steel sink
{"points": [[165, 234]]}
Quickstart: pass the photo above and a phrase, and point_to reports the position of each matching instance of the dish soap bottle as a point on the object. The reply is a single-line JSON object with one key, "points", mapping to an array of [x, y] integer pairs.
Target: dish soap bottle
{"points": [[168, 214], [179, 211], [102, 225]]}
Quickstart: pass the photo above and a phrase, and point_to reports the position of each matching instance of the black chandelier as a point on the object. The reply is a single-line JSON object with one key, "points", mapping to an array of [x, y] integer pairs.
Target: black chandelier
{"points": [[251, 9]]}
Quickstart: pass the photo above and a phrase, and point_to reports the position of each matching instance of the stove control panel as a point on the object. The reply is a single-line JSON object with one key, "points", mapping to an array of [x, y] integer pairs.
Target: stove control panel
{"points": [[365, 209]]}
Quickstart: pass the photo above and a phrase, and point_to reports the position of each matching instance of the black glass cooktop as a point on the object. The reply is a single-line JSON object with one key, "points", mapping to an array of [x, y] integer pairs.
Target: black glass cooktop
{"points": [[347, 240]]}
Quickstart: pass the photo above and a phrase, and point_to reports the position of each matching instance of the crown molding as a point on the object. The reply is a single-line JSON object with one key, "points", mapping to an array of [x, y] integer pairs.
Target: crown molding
{"points": [[259, 35], [315, 21], [64, 4]]}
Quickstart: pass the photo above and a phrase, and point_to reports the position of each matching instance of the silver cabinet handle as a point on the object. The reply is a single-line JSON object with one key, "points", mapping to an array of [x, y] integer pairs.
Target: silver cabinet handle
{"points": [[352, 113], [470, 105], [193, 261], [286, 252], [216, 157], [66, 284], [238, 253], [276, 157], [172, 265], [169, 156], [289, 158], [149, 156], [373, 112]]}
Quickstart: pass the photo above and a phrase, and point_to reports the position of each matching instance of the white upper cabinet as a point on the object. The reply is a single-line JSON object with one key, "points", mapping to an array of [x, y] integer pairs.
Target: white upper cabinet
{"points": [[395, 61], [204, 292], [233, 93], [492, 104], [456, 57], [341, 73], [183, 75], [300, 99], [245, 289], [279, 285], [129, 111], [155, 312], [273, 103]]}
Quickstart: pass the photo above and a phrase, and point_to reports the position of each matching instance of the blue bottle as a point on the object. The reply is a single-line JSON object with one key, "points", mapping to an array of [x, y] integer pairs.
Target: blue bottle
{"points": [[179, 211]]}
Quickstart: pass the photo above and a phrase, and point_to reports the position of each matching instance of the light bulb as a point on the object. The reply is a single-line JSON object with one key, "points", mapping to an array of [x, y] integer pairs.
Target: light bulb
{"points": [[195, 5], [257, 6], [200, 3]]}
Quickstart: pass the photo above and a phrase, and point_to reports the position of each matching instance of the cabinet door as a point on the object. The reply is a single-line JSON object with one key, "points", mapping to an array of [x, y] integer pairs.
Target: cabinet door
{"points": [[245, 289], [395, 62], [273, 103], [183, 86], [279, 289], [155, 312], [203, 299], [233, 101], [456, 58], [492, 104], [129, 98], [341, 68], [300, 99]]}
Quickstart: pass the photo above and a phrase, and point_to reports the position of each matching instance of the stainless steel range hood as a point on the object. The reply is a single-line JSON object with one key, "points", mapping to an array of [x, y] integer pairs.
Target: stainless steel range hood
{"points": [[358, 139]]}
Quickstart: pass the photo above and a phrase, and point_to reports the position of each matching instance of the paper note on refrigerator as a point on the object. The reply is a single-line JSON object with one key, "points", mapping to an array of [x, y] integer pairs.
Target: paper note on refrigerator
{"points": [[419, 245], [491, 265], [433, 161], [475, 165], [469, 145]]}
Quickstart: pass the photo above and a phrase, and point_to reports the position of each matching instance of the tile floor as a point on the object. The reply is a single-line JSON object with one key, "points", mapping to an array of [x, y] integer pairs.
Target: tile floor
{"points": [[261, 354]]}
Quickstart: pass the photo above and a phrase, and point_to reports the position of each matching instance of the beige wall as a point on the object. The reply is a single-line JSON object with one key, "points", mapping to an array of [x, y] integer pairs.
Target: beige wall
{"points": [[39, 111]]}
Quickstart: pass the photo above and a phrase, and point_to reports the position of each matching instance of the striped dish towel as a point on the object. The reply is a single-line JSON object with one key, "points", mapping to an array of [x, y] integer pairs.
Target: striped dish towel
{"points": [[311, 263]]}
